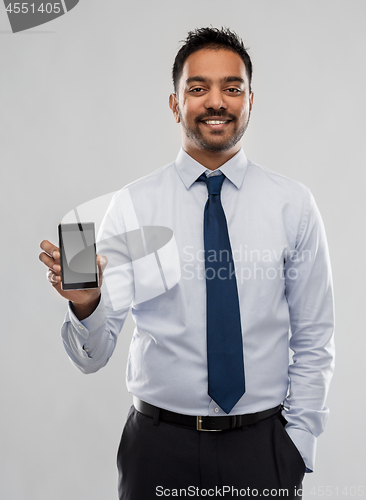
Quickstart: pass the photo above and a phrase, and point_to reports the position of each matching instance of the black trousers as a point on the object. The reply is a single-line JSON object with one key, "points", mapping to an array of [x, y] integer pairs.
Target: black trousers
{"points": [[159, 460]]}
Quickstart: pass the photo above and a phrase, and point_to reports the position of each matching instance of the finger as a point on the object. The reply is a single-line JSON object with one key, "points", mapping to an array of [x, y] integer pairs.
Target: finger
{"points": [[50, 249], [53, 278], [50, 262], [47, 260], [102, 262]]}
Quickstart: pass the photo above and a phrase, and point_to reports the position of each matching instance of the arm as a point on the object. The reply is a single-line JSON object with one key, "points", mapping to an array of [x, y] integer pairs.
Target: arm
{"points": [[91, 341], [95, 317], [309, 293]]}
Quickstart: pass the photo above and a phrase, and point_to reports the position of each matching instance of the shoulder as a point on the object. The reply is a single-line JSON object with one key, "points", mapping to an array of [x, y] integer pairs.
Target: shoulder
{"points": [[274, 188], [137, 192], [271, 180], [280, 195], [153, 179]]}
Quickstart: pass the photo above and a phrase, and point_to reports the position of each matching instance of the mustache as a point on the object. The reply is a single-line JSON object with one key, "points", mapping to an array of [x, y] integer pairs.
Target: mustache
{"points": [[216, 114]]}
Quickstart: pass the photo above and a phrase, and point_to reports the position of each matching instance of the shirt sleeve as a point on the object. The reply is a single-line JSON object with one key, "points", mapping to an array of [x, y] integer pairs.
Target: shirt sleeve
{"points": [[309, 293], [90, 343]]}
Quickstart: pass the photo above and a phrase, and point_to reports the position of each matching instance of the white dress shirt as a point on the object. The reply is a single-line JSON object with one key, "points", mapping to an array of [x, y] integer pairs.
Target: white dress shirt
{"points": [[284, 284]]}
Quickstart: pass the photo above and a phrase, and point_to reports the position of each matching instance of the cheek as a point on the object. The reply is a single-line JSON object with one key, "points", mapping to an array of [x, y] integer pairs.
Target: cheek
{"points": [[189, 111], [244, 111]]}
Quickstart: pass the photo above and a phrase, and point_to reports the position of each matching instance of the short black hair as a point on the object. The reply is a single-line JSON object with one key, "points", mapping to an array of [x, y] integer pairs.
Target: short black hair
{"points": [[210, 38]]}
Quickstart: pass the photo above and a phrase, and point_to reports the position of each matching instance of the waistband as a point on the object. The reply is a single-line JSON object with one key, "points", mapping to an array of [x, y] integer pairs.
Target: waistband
{"points": [[203, 422]]}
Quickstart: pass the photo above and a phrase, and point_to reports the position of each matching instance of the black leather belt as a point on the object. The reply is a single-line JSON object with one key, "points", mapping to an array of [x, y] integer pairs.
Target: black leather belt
{"points": [[203, 423]]}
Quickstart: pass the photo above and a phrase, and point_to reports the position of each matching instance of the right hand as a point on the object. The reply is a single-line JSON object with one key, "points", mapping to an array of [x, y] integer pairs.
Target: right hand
{"points": [[81, 299]]}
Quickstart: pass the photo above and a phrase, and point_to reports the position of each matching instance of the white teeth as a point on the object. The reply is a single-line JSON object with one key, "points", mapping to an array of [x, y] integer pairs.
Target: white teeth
{"points": [[214, 122]]}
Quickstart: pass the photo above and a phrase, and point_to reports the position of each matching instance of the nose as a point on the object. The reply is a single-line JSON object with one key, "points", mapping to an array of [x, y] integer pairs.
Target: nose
{"points": [[215, 99]]}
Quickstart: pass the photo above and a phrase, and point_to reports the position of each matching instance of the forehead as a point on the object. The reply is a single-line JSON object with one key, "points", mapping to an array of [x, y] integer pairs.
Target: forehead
{"points": [[214, 64]]}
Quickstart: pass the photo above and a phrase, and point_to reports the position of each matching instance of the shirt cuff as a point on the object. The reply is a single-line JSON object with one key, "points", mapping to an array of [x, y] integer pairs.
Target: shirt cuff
{"points": [[86, 333], [305, 443]]}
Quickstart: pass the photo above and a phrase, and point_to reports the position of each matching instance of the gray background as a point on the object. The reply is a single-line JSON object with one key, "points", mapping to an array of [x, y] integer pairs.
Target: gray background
{"points": [[83, 111]]}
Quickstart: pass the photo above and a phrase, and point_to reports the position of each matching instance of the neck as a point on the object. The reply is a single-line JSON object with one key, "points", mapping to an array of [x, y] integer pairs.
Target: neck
{"points": [[211, 160]]}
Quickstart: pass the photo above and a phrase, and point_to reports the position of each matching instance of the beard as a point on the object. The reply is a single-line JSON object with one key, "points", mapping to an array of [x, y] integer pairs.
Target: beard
{"points": [[214, 143]]}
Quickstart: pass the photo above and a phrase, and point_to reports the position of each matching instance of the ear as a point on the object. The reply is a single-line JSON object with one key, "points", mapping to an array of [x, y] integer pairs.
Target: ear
{"points": [[173, 104], [251, 97]]}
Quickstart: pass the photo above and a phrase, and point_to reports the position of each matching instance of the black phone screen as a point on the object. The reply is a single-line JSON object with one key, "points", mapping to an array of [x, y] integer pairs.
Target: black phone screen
{"points": [[79, 268]]}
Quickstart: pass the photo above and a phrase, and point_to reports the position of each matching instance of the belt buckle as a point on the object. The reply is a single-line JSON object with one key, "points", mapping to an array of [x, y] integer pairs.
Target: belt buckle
{"points": [[199, 420]]}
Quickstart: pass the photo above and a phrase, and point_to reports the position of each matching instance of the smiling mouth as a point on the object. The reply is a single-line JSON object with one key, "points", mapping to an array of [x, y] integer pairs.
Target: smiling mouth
{"points": [[218, 125], [215, 122]]}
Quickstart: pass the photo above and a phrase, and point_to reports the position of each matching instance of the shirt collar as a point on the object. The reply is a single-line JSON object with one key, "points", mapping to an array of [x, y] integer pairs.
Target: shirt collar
{"points": [[189, 169]]}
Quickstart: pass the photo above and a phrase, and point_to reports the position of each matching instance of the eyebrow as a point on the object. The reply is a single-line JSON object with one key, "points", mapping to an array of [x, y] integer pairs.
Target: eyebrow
{"points": [[227, 79]]}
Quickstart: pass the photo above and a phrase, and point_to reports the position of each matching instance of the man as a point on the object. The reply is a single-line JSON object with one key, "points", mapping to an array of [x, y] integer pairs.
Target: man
{"points": [[209, 360]]}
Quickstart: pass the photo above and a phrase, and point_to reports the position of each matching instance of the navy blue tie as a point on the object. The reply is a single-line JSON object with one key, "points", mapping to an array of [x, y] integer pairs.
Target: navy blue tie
{"points": [[226, 382]]}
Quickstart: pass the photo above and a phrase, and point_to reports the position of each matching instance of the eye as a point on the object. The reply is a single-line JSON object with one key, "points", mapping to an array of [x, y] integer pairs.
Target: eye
{"points": [[196, 90], [233, 90]]}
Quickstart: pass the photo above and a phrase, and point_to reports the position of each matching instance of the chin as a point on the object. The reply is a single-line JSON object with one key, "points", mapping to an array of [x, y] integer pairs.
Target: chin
{"points": [[217, 146]]}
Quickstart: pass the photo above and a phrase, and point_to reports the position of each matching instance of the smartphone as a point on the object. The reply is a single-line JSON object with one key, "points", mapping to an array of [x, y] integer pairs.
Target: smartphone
{"points": [[79, 268]]}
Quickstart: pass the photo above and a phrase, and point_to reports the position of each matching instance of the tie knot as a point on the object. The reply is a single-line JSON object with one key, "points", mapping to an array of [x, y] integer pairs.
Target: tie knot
{"points": [[214, 183]]}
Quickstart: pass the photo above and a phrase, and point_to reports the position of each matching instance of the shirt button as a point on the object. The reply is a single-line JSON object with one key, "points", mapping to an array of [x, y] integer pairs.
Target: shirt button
{"points": [[216, 410], [81, 327], [86, 349]]}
